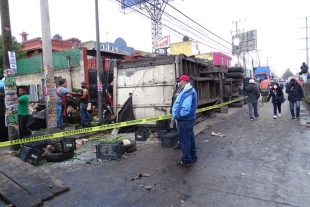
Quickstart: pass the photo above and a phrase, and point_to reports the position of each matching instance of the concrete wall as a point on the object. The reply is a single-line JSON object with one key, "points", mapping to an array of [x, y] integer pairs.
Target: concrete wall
{"points": [[306, 89], [35, 78]]}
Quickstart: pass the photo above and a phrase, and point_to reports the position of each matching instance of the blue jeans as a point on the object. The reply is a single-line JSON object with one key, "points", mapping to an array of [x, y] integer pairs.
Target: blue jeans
{"points": [[297, 108], [59, 115], [253, 105], [84, 114], [275, 107], [187, 140]]}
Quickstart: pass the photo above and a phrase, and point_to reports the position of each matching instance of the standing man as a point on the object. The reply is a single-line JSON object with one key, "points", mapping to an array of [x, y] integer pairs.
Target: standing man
{"points": [[184, 111], [83, 105], [295, 95], [61, 93], [253, 95], [23, 112]]}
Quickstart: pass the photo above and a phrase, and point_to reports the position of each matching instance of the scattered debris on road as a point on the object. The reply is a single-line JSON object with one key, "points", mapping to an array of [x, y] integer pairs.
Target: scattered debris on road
{"points": [[218, 134]]}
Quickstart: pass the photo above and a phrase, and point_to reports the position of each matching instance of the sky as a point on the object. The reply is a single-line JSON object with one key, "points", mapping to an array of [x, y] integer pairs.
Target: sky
{"points": [[278, 24]]}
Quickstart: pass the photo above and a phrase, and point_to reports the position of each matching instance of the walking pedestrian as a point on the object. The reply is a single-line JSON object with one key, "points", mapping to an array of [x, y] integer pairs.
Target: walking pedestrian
{"points": [[23, 112], [184, 111], [276, 94], [253, 95], [295, 95], [83, 105], [61, 93], [176, 93]]}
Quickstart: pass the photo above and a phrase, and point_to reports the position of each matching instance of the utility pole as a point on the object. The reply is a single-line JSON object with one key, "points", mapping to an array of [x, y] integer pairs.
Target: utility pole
{"points": [[99, 85], [268, 61], [12, 118], [307, 48], [238, 42], [50, 85]]}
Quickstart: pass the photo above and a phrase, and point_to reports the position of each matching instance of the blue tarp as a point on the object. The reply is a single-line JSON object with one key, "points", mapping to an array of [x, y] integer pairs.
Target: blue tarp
{"points": [[1, 84]]}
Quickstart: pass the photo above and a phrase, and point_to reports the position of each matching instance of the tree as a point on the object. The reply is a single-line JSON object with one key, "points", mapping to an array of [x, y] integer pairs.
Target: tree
{"points": [[16, 47], [287, 74]]}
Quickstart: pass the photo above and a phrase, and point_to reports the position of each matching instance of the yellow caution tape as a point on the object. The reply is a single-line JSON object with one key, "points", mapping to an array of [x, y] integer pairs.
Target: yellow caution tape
{"points": [[106, 127]]}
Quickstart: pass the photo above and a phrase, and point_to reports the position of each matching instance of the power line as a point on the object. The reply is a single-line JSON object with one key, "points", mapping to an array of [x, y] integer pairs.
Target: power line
{"points": [[195, 22], [123, 3], [195, 30]]}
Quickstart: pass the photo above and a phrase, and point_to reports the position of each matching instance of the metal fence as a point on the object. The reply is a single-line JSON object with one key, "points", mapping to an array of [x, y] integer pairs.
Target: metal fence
{"points": [[60, 60]]}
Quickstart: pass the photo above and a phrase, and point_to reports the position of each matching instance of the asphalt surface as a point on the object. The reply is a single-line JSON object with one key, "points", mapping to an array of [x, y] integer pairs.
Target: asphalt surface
{"points": [[258, 163]]}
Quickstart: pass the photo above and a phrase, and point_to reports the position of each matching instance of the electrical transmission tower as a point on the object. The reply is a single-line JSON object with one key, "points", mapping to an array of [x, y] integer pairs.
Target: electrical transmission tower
{"points": [[155, 9]]}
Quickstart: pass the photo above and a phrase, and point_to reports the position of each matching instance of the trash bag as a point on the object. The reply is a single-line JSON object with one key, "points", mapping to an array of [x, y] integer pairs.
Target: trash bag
{"points": [[127, 114]]}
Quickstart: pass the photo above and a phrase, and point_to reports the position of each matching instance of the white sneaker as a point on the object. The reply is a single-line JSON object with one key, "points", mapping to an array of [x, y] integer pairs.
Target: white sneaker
{"points": [[279, 115], [274, 117]]}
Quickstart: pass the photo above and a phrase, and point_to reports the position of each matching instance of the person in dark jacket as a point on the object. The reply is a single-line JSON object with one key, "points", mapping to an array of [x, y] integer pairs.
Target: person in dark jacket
{"points": [[295, 95], [276, 94], [176, 92], [253, 95]]}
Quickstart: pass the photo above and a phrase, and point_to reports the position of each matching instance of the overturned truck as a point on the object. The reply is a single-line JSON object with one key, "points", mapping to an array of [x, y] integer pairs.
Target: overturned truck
{"points": [[151, 83]]}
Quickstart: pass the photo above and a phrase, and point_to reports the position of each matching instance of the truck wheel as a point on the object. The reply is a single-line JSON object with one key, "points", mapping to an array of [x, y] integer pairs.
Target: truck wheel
{"points": [[58, 157], [130, 147], [235, 69], [235, 75], [237, 97], [226, 89]]}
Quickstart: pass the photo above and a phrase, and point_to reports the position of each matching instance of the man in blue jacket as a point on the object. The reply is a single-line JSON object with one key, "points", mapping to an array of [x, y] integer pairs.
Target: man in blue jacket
{"points": [[184, 111]]}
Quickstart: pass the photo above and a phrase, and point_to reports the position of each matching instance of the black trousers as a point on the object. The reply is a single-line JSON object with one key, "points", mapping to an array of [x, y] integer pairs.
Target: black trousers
{"points": [[22, 122]]}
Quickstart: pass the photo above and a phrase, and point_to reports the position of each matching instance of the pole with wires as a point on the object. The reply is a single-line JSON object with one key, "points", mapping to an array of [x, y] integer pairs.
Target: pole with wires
{"points": [[99, 85]]}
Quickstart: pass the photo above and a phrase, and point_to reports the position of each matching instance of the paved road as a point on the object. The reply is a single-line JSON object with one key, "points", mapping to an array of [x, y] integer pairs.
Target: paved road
{"points": [[260, 163]]}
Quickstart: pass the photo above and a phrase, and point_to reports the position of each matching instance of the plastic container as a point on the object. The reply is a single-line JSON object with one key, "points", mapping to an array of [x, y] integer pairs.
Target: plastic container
{"points": [[169, 139], [142, 134], [109, 150], [30, 155], [64, 144]]}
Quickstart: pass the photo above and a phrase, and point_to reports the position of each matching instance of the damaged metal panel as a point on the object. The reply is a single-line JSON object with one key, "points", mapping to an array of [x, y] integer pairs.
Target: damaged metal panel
{"points": [[152, 82]]}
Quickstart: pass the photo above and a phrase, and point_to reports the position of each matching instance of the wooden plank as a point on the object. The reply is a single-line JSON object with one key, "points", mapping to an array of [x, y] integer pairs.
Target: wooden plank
{"points": [[16, 195], [37, 174], [25, 182]]}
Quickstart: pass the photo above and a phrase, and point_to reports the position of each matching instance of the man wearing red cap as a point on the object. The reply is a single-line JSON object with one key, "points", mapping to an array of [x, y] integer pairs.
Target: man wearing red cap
{"points": [[184, 111]]}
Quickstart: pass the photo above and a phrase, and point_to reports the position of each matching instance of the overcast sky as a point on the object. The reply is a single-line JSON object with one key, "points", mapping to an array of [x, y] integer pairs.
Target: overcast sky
{"points": [[278, 24]]}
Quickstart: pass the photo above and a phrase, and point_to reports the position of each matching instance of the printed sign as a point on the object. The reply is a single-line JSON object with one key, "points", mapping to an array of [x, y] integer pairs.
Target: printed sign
{"points": [[162, 42]]}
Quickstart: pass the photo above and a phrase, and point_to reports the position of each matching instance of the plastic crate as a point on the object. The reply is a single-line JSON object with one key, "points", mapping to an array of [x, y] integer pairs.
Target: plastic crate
{"points": [[109, 150], [39, 145], [142, 134], [64, 144], [161, 133], [163, 124], [169, 139], [30, 155]]}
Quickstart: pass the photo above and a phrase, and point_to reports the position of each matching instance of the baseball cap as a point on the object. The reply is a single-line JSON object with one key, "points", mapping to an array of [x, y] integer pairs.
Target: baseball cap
{"points": [[83, 83], [184, 77], [251, 81]]}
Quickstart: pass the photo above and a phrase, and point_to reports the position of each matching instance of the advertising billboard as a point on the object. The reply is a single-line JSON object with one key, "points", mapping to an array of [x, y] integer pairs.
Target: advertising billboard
{"points": [[247, 42]]}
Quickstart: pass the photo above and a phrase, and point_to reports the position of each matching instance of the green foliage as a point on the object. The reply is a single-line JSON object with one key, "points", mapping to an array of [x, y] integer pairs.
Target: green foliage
{"points": [[16, 47], [287, 74]]}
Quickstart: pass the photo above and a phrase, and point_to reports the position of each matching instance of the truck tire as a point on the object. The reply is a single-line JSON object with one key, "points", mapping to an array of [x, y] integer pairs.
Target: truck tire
{"points": [[237, 97], [130, 147], [58, 157], [235, 69], [235, 75]]}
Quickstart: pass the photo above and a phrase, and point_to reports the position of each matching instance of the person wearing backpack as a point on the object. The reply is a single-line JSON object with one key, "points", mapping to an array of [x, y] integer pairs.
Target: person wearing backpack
{"points": [[276, 94]]}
